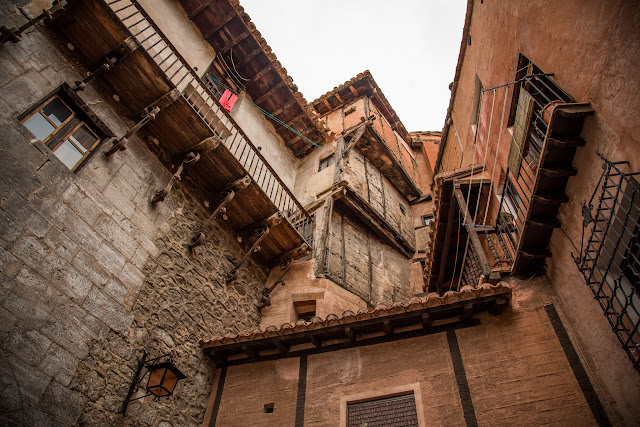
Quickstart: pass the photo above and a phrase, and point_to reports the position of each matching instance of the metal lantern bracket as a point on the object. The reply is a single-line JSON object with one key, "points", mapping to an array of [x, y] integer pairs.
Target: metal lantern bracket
{"points": [[137, 379]]}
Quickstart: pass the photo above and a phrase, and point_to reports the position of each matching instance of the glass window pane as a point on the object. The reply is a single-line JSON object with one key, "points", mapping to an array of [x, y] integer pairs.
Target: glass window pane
{"points": [[84, 138], [39, 126], [68, 154], [56, 111]]}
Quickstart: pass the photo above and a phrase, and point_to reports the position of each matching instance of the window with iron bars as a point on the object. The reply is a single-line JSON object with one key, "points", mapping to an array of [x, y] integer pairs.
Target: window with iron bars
{"points": [[306, 228], [610, 258]]}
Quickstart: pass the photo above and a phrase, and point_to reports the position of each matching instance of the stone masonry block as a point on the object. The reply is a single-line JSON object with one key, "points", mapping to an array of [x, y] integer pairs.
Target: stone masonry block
{"points": [[82, 233], [110, 259], [29, 382], [28, 217], [59, 364], [89, 267], [119, 200], [20, 147], [65, 405], [116, 236], [61, 244], [92, 192], [27, 307], [108, 311], [67, 333], [85, 207], [28, 345], [17, 175]]}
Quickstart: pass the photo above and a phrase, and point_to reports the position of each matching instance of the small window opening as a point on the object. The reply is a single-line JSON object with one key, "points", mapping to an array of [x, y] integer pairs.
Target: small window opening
{"points": [[477, 102], [426, 219], [326, 162], [268, 408], [305, 310], [402, 209]]}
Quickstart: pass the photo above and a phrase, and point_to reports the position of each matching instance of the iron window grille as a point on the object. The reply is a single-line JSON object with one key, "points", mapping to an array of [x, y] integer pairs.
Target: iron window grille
{"points": [[610, 260], [305, 228], [395, 411]]}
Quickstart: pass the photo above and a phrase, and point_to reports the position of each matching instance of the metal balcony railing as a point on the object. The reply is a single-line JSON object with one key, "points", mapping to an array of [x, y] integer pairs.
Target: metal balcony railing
{"points": [[206, 105]]}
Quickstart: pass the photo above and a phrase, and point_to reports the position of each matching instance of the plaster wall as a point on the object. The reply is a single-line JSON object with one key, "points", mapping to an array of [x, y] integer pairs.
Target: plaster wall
{"points": [[515, 367], [264, 137], [173, 21], [91, 273], [311, 183], [592, 49], [302, 285]]}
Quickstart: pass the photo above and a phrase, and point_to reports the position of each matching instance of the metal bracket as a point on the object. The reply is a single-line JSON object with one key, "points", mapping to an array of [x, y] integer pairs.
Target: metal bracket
{"points": [[117, 54], [265, 299], [120, 144], [221, 209], [13, 35], [162, 194], [233, 274]]}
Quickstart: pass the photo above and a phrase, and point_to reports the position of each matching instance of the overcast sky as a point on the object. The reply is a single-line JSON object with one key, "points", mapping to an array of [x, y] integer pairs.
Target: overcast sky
{"points": [[410, 46]]}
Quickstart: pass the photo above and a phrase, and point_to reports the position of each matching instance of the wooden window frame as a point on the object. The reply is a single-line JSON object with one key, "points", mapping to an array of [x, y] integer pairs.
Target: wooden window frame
{"points": [[389, 391], [327, 161], [80, 115]]}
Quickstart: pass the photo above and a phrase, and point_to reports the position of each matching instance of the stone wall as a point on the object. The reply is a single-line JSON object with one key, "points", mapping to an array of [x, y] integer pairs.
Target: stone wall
{"points": [[91, 273]]}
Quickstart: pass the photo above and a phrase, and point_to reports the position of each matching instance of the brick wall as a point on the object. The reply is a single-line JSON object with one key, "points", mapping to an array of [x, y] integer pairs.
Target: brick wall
{"points": [[91, 273]]}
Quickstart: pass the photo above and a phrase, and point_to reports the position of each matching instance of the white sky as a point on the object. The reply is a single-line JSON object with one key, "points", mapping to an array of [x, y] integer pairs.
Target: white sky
{"points": [[410, 46]]}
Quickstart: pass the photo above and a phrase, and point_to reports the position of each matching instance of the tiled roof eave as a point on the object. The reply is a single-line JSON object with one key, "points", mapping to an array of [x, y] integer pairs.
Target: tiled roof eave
{"points": [[277, 341]]}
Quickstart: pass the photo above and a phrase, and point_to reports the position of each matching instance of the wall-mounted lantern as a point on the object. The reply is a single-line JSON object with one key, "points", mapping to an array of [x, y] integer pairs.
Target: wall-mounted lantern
{"points": [[163, 378]]}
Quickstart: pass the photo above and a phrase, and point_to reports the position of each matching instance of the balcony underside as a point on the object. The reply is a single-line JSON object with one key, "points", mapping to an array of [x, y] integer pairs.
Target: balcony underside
{"points": [[548, 192], [96, 33]]}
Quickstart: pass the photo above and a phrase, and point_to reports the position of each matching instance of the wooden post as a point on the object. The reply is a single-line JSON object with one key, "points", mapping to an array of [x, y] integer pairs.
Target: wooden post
{"points": [[323, 238]]}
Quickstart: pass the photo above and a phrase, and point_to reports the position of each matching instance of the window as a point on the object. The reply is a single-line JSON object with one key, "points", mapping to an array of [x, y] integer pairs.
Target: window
{"points": [[397, 411], [305, 310], [58, 126], [610, 259], [477, 102], [325, 163], [426, 219], [306, 228]]}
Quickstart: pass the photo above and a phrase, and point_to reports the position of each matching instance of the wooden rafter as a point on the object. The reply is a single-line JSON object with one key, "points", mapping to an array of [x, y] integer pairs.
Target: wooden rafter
{"points": [[326, 102], [260, 74], [198, 10], [284, 107], [218, 27], [354, 91], [234, 41], [248, 57], [339, 98], [269, 93]]}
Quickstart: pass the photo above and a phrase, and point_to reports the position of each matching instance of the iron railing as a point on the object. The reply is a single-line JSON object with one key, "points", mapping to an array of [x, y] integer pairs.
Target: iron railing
{"points": [[521, 175], [610, 261], [206, 105]]}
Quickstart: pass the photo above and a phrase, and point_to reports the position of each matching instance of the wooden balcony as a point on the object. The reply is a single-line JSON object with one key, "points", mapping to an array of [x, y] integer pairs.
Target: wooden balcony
{"points": [[149, 72]]}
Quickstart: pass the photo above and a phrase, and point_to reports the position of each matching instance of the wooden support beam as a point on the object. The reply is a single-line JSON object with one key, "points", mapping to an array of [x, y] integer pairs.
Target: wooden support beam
{"points": [[447, 243], [323, 237], [467, 312], [294, 253], [260, 74], [354, 91], [268, 93], [316, 341], [284, 107], [233, 42], [269, 221], [214, 29], [388, 328], [283, 347], [250, 351], [326, 102], [206, 145], [248, 57], [198, 10], [499, 305], [340, 99], [355, 138], [350, 334], [425, 320]]}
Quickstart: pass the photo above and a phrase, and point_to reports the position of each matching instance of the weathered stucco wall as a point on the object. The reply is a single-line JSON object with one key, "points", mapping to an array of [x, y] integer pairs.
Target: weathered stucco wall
{"points": [[593, 51], [264, 137], [514, 364], [172, 20], [302, 285], [91, 274], [309, 181]]}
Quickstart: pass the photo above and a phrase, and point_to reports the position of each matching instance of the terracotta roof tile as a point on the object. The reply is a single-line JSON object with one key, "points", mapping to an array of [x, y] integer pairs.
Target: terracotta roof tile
{"points": [[381, 310]]}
